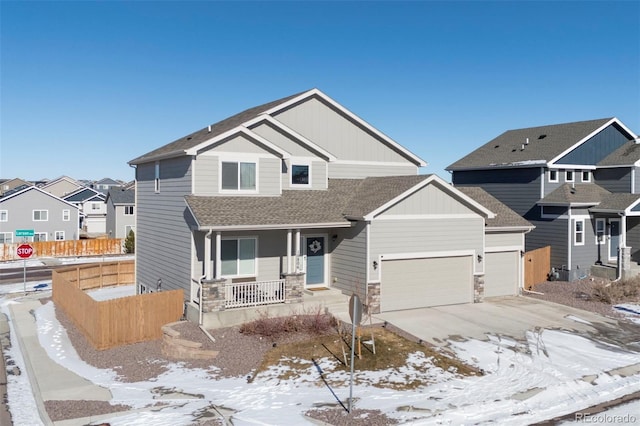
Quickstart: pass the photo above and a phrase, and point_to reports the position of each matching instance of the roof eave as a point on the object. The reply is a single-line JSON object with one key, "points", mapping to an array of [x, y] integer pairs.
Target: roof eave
{"points": [[273, 226]]}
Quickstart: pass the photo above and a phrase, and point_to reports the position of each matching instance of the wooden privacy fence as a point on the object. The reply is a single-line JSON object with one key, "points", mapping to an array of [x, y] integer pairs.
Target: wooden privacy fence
{"points": [[537, 265], [115, 322], [65, 248]]}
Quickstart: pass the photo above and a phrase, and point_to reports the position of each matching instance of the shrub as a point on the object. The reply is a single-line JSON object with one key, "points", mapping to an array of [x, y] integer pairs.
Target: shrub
{"points": [[617, 292], [266, 326], [130, 242]]}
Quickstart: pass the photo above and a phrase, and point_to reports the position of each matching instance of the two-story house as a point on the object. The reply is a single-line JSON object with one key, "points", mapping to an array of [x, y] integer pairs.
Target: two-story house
{"points": [[121, 212], [578, 183], [62, 186], [93, 210], [300, 194], [29, 207]]}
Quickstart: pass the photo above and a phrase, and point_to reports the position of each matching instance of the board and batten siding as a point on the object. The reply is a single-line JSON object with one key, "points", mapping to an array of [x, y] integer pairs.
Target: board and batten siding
{"points": [[423, 236], [518, 188], [207, 175], [596, 148], [615, 179], [318, 172], [275, 136], [336, 133], [349, 259], [358, 170], [163, 238], [504, 239], [429, 200]]}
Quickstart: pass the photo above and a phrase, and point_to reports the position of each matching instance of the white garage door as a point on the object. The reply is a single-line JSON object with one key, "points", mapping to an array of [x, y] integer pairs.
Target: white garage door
{"points": [[420, 283], [501, 274]]}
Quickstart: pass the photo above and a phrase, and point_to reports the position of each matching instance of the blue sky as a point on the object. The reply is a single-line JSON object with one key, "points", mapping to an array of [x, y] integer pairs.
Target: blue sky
{"points": [[87, 86]]}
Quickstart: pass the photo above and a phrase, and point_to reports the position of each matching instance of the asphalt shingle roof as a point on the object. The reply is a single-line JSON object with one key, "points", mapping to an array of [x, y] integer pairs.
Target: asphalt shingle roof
{"points": [[576, 193], [122, 196], [504, 216], [204, 134], [545, 143], [616, 201], [626, 155]]}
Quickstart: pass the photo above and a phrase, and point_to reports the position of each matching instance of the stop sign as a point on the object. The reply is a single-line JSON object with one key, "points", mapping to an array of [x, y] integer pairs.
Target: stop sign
{"points": [[24, 250]]}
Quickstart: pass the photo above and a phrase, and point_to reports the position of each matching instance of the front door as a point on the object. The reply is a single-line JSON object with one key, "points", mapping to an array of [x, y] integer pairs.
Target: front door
{"points": [[315, 260], [614, 238]]}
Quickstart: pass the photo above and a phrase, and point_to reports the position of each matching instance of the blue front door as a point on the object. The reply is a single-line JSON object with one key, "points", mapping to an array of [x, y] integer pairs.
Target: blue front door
{"points": [[315, 249], [614, 238]]}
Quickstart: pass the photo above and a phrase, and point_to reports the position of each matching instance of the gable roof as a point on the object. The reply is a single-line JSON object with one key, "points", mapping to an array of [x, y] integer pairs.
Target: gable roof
{"points": [[627, 155], [533, 145], [85, 194], [122, 196], [188, 145], [504, 216], [107, 181], [26, 189], [568, 194], [61, 178], [616, 202]]}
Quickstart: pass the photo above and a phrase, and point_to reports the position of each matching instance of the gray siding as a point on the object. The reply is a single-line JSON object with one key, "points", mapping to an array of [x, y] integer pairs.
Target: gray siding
{"points": [[275, 136], [206, 178], [336, 133], [552, 233], [349, 259], [597, 148], [424, 235], [503, 239], [206, 175], [239, 143], [269, 176], [359, 170], [583, 256], [318, 172], [633, 237], [636, 179], [20, 215], [429, 200], [517, 188], [163, 237], [614, 180]]}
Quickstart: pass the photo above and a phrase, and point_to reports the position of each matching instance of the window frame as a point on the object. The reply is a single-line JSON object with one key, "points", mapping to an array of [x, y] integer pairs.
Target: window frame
{"points": [[66, 215], [237, 260], [238, 186], [33, 215], [554, 172], [156, 179], [4, 215], [577, 233], [300, 164], [126, 209], [582, 174], [601, 241], [566, 176], [57, 233], [95, 206], [4, 238], [37, 236]]}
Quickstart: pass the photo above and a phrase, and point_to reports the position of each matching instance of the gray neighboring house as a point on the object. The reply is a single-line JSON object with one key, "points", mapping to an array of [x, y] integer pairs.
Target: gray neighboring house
{"points": [[578, 183], [93, 210], [301, 194], [121, 212], [105, 184], [30, 207]]}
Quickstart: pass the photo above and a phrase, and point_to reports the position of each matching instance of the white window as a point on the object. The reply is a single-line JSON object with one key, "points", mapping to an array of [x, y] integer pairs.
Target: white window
{"points": [[578, 232], [586, 176], [95, 206], [300, 175], [6, 237], [238, 176], [4, 215], [600, 229], [157, 177], [40, 216], [59, 235], [128, 210], [568, 175], [40, 236], [553, 175], [238, 257], [66, 215]]}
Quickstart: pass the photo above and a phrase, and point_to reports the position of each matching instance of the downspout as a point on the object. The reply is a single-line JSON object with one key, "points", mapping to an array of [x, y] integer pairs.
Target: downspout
{"points": [[623, 237]]}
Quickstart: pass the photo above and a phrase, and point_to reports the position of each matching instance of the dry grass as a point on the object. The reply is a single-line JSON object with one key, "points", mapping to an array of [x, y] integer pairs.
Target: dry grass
{"points": [[618, 292]]}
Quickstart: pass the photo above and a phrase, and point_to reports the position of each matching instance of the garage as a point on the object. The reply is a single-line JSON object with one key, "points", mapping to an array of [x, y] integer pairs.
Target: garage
{"points": [[501, 273], [424, 282]]}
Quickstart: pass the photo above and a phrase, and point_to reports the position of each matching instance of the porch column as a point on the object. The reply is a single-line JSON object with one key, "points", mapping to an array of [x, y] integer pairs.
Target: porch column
{"points": [[288, 251], [623, 233], [218, 255], [208, 261], [297, 250]]}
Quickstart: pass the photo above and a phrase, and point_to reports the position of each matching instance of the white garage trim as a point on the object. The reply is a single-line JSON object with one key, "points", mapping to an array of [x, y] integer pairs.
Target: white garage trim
{"points": [[503, 276], [428, 254], [502, 248]]}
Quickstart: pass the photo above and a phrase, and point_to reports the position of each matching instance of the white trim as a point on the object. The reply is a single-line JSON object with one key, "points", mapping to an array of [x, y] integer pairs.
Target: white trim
{"points": [[315, 92], [556, 180], [495, 229], [543, 178], [238, 161], [55, 235], [33, 215], [575, 231], [569, 238], [68, 215], [428, 216], [298, 162], [6, 215], [372, 163], [633, 180], [609, 237], [156, 177], [5, 240], [326, 259], [566, 175], [238, 238], [572, 166], [367, 237], [501, 249], [239, 130], [604, 231], [427, 254], [582, 172], [35, 188], [442, 185], [281, 226]]}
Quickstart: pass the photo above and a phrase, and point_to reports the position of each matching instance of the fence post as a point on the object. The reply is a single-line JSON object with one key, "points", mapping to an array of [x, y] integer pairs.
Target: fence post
{"points": [[77, 276]]}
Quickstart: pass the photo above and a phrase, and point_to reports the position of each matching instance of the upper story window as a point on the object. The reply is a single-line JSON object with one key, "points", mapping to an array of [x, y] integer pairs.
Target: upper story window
{"points": [[40, 215], [95, 206], [568, 175], [6, 237], [300, 175], [156, 181], [586, 176], [578, 232], [128, 210], [4, 215], [553, 175], [238, 176], [66, 215]]}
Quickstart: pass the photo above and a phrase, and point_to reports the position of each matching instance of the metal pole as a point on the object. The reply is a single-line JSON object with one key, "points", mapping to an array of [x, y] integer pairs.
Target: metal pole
{"points": [[24, 275], [353, 344]]}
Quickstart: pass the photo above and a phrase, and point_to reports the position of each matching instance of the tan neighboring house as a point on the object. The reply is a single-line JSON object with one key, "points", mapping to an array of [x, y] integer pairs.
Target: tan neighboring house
{"points": [[62, 186]]}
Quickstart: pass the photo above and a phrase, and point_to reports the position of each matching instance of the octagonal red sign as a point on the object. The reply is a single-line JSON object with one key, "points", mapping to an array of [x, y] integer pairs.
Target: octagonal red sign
{"points": [[24, 250]]}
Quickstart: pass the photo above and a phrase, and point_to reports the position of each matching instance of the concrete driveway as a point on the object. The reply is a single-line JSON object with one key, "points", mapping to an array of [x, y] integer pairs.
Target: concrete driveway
{"points": [[508, 316]]}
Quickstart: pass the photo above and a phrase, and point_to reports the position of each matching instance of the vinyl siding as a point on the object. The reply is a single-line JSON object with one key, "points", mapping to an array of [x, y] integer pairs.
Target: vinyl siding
{"points": [[349, 259], [633, 237], [596, 148], [206, 175], [122, 221], [359, 171], [239, 143], [517, 188], [424, 235], [275, 136], [336, 133], [636, 178], [614, 180], [504, 239], [583, 256], [61, 188], [429, 200], [163, 238], [550, 232], [318, 174]]}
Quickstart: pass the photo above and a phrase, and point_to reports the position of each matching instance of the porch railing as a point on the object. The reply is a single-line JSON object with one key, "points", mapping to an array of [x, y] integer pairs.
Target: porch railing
{"points": [[255, 293]]}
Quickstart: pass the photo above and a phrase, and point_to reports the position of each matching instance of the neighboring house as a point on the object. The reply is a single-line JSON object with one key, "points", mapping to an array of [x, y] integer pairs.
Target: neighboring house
{"points": [[93, 210], [11, 184], [302, 194], [62, 186], [121, 212], [103, 185], [578, 183], [49, 216]]}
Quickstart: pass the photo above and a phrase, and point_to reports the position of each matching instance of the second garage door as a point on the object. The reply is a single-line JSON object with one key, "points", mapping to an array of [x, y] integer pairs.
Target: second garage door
{"points": [[425, 282], [501, 274]]}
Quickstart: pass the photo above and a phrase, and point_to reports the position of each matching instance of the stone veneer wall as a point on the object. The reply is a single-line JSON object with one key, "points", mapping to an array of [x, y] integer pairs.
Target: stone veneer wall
{"points": [[373, 298], [176, 347], [478, 288], [294, 287]]}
